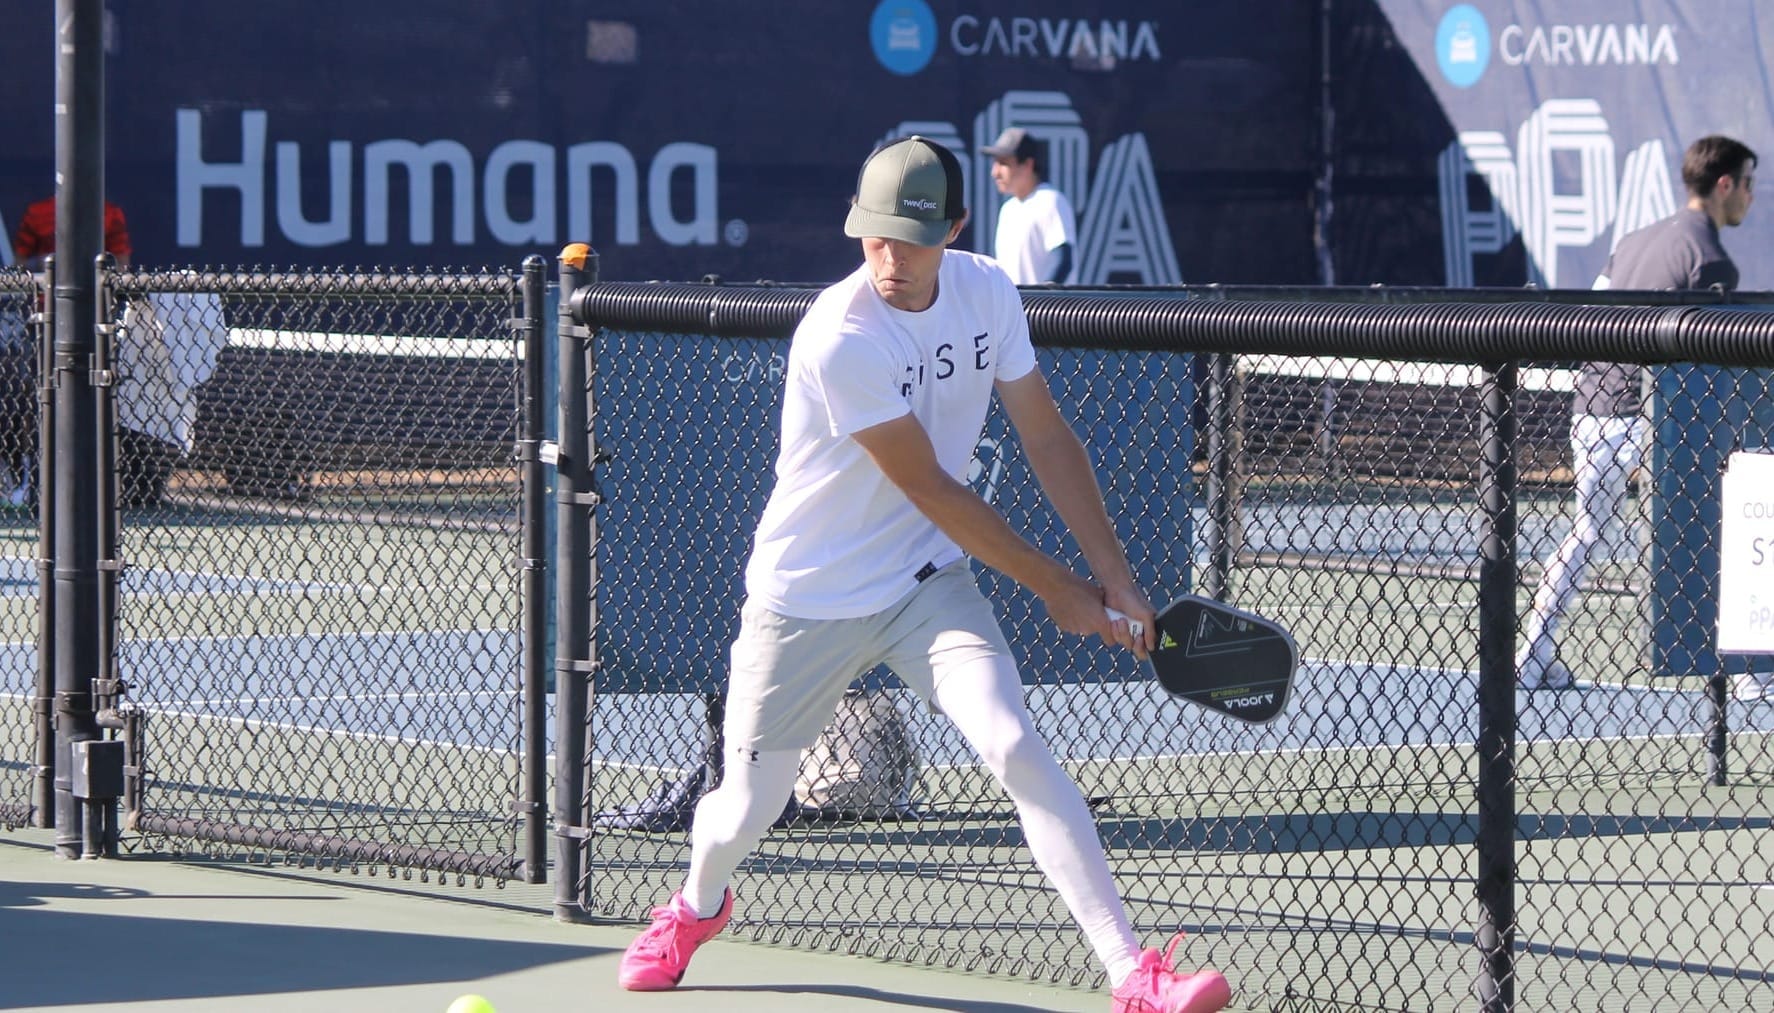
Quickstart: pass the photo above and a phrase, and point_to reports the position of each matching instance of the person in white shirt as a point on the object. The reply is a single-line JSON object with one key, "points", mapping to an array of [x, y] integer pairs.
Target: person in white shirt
{"points": [[861, 558], [1036, 227]]}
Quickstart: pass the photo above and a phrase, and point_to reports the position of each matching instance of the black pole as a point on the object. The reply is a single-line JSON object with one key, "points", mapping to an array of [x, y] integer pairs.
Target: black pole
{"points": [[535, 576], [79, 229], [1222, 498], [107, 686], [1496, 691], [1718, 729], [1322, 191], [43, 704], [575, 608]]}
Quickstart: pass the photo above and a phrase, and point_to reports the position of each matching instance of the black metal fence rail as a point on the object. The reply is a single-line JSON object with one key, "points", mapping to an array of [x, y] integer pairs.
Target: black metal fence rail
{"points": [[322, 570], [1418, 827], [429, 759]]}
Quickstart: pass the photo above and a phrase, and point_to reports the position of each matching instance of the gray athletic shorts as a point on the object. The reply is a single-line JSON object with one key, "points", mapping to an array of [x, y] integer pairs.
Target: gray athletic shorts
{"points": [[787, 673]]}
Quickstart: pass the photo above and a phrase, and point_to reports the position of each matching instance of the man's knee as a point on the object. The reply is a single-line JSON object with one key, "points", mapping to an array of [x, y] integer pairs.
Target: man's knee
{"points": [[1018, 758]]}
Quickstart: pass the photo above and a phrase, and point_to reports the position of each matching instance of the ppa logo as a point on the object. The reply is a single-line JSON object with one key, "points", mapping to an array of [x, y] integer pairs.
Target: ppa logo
{"points": [[1123, 235], [1563, 188]]}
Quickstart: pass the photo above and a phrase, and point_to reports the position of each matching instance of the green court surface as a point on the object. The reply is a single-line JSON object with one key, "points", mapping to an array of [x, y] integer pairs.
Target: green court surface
{"points": [[148, 933], [1335, 847]]}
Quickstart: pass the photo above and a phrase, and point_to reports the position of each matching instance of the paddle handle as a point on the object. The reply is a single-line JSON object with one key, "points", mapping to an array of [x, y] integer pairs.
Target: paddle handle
{"points": [[1134, 626]]}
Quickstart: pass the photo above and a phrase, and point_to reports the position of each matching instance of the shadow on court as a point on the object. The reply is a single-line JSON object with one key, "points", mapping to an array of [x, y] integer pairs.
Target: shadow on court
{"points": [[1278, 833], [862, 993], [217, 935], [153, 958]]}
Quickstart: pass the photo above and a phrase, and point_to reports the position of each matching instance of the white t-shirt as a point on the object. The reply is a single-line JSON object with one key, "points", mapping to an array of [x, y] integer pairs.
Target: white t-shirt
{"points": [[1030, 229], [837, 539]]}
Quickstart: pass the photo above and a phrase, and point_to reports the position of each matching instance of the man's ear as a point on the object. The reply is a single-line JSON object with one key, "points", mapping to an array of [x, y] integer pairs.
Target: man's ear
{"points": [[955, 229]]}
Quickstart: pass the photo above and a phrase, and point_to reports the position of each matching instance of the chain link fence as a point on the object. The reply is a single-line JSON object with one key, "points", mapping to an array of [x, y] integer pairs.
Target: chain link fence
{"points": [[320, 564], [324, 563], [21, 730], [1413, 828]]}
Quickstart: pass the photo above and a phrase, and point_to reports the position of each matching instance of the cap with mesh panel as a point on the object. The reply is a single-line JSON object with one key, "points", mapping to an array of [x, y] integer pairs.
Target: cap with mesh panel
{"points": [[910, 189], [1014, 142]]}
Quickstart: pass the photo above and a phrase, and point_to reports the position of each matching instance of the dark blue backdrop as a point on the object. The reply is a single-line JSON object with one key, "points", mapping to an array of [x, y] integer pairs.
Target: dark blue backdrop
{"points": [[1491, 142], [679, 138]]}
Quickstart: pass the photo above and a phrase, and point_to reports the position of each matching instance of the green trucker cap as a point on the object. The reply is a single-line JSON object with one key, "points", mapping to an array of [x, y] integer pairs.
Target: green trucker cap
{"points": [[910, 190]]}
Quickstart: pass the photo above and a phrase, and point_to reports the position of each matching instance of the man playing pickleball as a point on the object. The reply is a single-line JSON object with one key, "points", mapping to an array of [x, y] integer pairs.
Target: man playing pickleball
{"points": [[861, 559]]}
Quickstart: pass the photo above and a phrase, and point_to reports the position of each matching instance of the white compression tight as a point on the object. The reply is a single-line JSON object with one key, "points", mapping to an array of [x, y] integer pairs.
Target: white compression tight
{"points": [[985, 703], [1604, 452]]}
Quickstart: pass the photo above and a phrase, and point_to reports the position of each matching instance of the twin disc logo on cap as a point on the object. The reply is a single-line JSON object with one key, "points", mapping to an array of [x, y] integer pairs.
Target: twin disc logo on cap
{"points": [[918, 203]]}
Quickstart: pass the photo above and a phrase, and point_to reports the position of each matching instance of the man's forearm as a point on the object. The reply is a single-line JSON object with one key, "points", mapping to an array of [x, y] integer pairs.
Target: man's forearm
{"points": [[1068, 478], [981, 532]]}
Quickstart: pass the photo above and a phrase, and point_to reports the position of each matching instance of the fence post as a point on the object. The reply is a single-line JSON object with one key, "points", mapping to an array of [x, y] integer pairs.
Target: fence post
{"points": [[108, 769], [1496, 690], [533, 286], [43, 703], [80, 159], [575, 610], [1222, 475]]}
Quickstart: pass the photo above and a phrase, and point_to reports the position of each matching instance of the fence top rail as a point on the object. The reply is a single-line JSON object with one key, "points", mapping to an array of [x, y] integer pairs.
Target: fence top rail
{"points": [[1312, 293], [1732, 329], [318, 282], [17, 279]]}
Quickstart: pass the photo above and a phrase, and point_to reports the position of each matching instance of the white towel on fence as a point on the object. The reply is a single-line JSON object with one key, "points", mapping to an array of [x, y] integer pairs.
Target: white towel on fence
{"points": [[165, 350]]}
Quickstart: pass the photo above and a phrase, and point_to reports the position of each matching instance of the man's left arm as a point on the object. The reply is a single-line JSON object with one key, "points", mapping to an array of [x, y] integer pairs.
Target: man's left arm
{"points": [[1068, 478], [1065, 228], [1062, 264]]}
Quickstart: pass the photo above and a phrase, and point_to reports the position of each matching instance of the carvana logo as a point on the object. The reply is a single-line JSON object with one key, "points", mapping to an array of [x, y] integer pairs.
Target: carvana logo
{"points": [[903, 33], [1463, 46]]}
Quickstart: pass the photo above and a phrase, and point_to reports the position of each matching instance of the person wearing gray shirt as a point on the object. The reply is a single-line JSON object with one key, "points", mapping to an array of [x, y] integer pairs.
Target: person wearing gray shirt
{"points": [[1608, 428]]}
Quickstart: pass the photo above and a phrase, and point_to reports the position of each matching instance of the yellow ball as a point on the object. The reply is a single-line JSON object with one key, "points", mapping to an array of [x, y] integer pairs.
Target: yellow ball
{"points": [[471, 1004]]}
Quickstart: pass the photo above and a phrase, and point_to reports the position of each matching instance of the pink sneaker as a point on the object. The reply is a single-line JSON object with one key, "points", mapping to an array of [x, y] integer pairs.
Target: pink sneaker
{"points": [[1155, 987], [655, 961]]}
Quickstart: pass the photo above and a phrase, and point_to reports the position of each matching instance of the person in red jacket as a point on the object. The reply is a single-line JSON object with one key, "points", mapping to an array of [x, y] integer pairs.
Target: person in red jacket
{"points": [[34, 238], [145, 460]]}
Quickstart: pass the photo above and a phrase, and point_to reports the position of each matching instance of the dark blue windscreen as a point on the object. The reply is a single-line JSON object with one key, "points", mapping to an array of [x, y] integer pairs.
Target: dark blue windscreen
{"points": [[690, 426]]}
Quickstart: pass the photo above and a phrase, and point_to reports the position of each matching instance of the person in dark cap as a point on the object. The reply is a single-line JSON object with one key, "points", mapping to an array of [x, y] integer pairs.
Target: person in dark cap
{"points": [[1036, 226], [861, 558]]}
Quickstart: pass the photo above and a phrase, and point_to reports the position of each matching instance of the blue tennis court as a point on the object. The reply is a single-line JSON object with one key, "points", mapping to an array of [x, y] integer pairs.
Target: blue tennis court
{"points": [[328, 683]]}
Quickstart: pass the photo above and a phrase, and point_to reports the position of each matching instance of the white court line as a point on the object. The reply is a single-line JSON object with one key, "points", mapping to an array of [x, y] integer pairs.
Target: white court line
{"points": [[1372, 606], [257, 724], [1224, 754], [405, 345], [330, 634], [1391, 371], [1627, 687], [259, 586], [455, 694], [1320, 751]]}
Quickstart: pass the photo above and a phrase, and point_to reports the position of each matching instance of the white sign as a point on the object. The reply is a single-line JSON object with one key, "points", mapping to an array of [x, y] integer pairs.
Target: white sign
{"points": [[1746, 555]]}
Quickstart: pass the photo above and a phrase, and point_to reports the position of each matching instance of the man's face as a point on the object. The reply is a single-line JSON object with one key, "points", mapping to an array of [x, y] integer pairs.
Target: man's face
{"points": [[905, 273], [1739, 194], [1014, 177]]}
